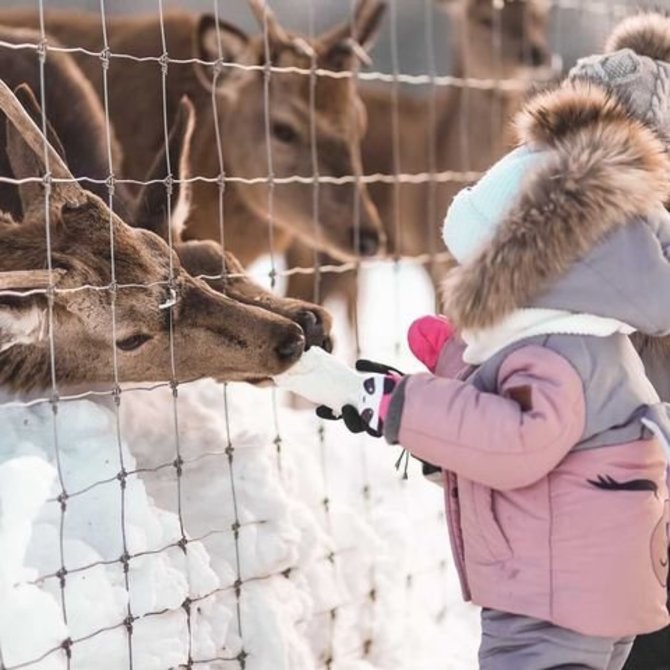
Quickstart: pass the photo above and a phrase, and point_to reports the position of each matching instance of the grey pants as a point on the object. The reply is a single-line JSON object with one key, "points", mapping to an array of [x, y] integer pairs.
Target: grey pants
{"points": [[513, 642]]}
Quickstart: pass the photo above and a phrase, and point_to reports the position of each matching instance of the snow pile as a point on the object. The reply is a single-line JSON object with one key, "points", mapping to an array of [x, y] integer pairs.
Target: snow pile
{"points": [[96, 531]]}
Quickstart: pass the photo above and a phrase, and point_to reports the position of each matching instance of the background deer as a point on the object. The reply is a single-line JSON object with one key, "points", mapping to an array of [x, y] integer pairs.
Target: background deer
{"points": [[234, 100], [76, 116], [463, 128], [167, 324]]}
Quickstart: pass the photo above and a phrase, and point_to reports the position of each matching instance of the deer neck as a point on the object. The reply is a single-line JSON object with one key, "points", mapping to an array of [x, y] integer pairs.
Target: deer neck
{"points": [[473, 125]]}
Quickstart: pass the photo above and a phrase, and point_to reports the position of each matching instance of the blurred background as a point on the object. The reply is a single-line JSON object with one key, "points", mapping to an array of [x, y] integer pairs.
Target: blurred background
{"points": [[578, 27]]}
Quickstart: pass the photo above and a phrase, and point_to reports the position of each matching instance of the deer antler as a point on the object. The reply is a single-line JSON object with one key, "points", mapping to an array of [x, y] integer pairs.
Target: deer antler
{"points": [[36, 141], [23, 280]]}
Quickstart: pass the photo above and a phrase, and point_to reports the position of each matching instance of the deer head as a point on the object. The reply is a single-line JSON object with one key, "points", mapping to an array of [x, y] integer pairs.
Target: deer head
{"points": [[162, 211], [505, 37], [119, 296], [320, 117]]}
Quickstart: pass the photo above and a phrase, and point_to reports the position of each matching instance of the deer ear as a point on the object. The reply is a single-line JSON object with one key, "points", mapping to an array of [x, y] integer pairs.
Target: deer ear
{"points": [[23, 316], [349, 41], [217, 39], [21, 323], [151, 212], [23, 161], [26, 150], [369, 25]]}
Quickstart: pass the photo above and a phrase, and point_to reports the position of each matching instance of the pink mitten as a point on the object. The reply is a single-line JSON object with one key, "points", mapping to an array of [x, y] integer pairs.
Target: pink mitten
{"points": [[426, 338]]}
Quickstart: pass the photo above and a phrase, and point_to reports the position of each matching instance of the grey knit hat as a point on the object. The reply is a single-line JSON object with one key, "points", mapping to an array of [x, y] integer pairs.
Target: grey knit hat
{"points": [[642, 83]]}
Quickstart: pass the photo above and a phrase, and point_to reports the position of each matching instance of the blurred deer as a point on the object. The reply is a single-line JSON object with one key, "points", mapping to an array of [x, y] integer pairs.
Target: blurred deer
{"points": [[76, 128], [230, 99], [166, 323], [463, 128]]}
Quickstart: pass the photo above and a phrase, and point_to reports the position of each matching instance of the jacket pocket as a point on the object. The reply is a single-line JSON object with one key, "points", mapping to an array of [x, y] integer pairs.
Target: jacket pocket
{"points": [[494, 541]]}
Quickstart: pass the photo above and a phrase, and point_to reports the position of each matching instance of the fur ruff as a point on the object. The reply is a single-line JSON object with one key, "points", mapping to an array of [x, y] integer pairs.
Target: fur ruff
{"points": [[647, 34], [603, 169]]}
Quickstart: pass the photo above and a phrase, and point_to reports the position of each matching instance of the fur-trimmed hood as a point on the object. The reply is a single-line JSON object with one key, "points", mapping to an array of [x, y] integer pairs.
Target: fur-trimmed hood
{"points": [[587, 232]]}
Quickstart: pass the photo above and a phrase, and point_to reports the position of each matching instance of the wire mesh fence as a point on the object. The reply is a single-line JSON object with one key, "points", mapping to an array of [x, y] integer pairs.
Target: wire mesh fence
{"points": [[164, 523]]}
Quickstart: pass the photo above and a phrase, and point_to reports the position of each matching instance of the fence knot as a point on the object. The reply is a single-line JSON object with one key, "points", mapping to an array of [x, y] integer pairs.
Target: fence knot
{"points": [[41, 48], [104, 57], [47, 183], [219, 66], [164, 61], [61, 575], [128, 623], [66, 646], [116, 395], [182, 543], [62, 500], [122, 476], [110, 182], [178, 465], [125, 561]]}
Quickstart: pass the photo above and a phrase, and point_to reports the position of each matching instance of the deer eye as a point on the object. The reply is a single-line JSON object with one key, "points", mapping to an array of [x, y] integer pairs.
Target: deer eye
{"points": [[284, 133], [133, 342]]}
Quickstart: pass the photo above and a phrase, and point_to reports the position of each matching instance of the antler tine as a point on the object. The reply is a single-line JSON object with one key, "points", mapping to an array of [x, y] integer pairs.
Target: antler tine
{"points": [[34, 138], [266, 17], [28, 280]]}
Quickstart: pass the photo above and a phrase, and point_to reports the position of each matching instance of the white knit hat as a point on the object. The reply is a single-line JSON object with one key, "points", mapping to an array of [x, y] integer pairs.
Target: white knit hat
{"points": [[476, 211]]}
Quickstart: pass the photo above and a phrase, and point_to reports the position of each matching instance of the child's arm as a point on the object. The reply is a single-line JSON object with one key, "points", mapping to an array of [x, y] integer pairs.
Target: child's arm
{"points": [[506, 440]]}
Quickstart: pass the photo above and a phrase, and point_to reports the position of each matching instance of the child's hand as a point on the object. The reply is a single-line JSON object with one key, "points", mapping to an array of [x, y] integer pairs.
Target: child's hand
{"points": [[369, 412], [426, 338]]}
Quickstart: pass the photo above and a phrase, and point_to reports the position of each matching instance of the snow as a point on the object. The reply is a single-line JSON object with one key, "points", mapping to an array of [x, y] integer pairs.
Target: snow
{"points": [[303, 552]]}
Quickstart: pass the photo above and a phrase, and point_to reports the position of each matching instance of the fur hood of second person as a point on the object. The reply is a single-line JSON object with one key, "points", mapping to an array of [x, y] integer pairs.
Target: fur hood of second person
{"points": [[588, 231]]}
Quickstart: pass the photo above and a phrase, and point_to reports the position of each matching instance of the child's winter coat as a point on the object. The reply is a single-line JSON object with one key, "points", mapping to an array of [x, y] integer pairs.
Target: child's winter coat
{"points": [[559, 509]]}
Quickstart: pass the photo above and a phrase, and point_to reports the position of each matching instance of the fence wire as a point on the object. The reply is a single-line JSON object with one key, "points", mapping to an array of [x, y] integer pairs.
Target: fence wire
{"points": [[223, 462]]}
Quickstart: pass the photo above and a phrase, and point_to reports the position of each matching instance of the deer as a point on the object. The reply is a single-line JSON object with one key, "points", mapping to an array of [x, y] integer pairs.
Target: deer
{"points": [[81, 127], [71, 314], [464, 129], [224, 73], [84, 144]]}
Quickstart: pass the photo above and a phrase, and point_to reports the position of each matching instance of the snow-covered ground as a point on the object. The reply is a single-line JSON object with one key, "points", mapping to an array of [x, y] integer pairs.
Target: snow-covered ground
{"points": [[240, 532]]}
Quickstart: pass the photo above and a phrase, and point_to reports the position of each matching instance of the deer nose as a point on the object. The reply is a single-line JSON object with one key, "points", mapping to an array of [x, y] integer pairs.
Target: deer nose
{"points": [[314, 329], [367, 242], [291, 347]]}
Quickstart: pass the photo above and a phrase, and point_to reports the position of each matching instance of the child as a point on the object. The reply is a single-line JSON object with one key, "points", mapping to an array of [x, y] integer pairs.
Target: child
{"points": [[549, 435]]}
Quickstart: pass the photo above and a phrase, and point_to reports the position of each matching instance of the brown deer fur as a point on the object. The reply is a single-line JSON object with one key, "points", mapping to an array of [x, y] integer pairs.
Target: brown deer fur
{"points": [[78, 118], [166, 323], [73, 124], [468, 132], [136, 107], [205, 258]]}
